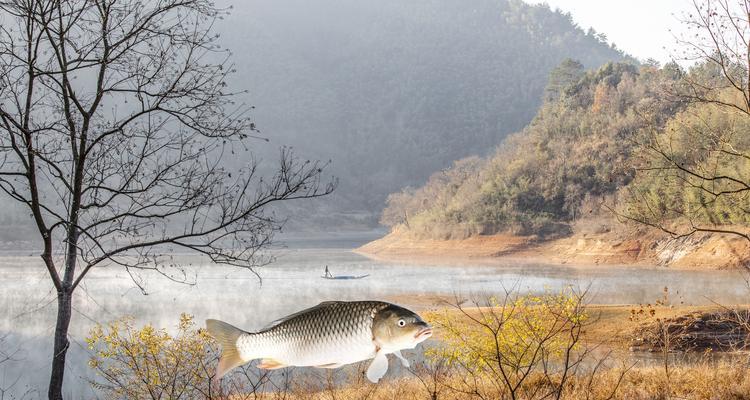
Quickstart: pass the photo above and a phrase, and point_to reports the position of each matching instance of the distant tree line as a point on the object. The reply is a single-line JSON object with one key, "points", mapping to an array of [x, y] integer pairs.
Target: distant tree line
{"points": [[577, 147], [394, 90], [637, 139]]}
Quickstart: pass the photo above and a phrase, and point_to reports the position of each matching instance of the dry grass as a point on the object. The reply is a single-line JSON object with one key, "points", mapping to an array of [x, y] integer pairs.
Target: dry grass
{"points": [[704, 381], [596, 338], [608, 374]]}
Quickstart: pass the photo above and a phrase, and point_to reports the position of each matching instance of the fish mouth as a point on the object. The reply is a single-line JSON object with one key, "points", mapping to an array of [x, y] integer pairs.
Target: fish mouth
{"points": [[423, 333]]}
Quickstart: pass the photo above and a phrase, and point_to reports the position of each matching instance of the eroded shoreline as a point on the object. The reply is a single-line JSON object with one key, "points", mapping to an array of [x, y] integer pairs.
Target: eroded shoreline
{"points": [[638, 249]]}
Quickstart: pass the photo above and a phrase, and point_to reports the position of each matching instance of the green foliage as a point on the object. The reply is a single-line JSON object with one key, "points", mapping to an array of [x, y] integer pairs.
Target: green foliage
{"points": [[578, 146], [394, 90], [563, 76], [442, 198], [695, 170]]}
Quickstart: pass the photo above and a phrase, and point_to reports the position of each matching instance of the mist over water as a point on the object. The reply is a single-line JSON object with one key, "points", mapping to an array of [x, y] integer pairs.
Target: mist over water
{"points": [[294, 282], [337, 122]]}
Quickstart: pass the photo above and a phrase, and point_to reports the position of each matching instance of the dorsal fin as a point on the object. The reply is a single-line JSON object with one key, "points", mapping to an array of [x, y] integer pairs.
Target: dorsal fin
{"points": [[275, 323]]}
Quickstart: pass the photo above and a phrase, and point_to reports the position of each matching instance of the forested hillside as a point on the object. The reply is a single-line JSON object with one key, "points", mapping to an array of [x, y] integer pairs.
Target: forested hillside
{"points": [[390, 91], [620, 141], [393, 90], [577, 151]]}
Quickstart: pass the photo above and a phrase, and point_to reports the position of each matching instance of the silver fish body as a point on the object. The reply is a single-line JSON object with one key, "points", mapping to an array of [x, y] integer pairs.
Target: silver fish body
{"points": [[328, 335], [338, 333]]}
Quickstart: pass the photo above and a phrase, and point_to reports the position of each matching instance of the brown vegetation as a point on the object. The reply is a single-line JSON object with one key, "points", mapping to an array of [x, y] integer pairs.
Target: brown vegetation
{"points": [[657, 147], [709, 380], [696, 331], [510, 347]]}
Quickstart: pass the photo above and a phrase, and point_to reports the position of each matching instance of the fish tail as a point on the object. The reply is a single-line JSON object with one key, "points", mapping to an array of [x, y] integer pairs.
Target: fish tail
{"points": [[227, 336]]}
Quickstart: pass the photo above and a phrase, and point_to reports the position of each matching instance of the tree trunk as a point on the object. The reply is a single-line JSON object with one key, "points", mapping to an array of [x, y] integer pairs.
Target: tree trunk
{"points": [[64, 306], [64, 303]]}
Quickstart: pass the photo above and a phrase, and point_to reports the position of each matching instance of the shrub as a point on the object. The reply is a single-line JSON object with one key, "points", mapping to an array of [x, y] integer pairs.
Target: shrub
{"points": [[501, 345], [149, 363]]}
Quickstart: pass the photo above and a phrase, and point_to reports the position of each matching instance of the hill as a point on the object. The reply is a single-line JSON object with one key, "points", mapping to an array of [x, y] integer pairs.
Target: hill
{"points": [[391, 91], [591, 159], [575, 152]]}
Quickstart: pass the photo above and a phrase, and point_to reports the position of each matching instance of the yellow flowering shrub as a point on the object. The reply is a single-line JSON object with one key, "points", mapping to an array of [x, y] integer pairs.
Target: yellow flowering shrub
{"points": [[508, 340], [149, 363]]}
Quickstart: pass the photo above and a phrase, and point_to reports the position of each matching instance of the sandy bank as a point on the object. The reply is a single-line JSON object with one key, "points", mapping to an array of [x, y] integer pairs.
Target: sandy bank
{"points": [[639, 248]]}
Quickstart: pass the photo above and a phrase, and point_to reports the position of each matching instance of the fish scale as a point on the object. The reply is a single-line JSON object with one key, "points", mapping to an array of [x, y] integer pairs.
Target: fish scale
{"points": [[340, 331], [328, 335]]}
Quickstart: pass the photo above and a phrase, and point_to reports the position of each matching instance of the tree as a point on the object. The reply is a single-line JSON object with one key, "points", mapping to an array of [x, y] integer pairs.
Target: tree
{"points": [[718, 40], [562, 77], [699, 165], [114, 122]]}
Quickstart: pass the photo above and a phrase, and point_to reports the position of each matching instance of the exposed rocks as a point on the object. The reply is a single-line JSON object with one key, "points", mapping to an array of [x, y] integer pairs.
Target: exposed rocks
{"points": [[698, 331]]}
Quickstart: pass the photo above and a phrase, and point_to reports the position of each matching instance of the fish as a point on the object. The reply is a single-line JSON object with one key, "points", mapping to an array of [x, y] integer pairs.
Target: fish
{"points": [[329, 335]]}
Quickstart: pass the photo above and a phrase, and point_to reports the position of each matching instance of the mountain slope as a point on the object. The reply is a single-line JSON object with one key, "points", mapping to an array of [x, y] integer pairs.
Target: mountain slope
{"points": [[393, 90], [576, 151]]}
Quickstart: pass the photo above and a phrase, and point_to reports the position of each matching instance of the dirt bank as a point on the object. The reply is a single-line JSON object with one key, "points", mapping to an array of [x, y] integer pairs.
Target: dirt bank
{"points": [[620, 247]]}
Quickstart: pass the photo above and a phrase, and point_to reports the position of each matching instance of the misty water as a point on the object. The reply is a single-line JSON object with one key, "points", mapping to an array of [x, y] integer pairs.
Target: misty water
{"points": [[294, 282]]}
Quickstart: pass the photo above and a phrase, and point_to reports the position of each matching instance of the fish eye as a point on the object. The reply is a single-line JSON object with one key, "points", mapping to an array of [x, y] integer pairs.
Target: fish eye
{"points": [[401, 323]]}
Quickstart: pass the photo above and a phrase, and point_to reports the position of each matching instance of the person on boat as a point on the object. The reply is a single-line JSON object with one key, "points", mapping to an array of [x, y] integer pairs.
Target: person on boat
{"points": [[328, 273]]}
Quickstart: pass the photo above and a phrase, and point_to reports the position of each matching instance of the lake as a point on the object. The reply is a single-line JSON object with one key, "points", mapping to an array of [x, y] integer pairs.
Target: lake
{"points": [[291, 283]]}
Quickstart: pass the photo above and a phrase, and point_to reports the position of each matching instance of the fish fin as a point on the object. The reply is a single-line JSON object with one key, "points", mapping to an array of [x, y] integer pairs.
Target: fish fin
{"points": [[378, 367], [403, 359], [227, 336], [270, 363], [290, 316], [331, 365]]}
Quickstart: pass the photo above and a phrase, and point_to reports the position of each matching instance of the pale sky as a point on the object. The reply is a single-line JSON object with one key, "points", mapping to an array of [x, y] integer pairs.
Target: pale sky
{"points": [[638, 27]]}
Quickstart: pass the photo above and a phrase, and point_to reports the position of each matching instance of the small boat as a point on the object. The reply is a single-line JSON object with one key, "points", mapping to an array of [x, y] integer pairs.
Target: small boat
{"points": [[328, 275], [344, 276]]}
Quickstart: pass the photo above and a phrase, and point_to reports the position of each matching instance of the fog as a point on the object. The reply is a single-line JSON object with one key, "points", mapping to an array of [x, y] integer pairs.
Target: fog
{"points": [[393, 91], [383, 94], [240, 298], [389, 91]]}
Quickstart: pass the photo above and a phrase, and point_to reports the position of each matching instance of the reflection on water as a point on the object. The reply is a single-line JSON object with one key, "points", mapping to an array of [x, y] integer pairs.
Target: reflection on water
{"points": [[292, 283]]}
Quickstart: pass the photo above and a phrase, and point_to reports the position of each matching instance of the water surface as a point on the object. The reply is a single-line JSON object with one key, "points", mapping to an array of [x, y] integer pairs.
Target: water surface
{"points": [[294, 282]]}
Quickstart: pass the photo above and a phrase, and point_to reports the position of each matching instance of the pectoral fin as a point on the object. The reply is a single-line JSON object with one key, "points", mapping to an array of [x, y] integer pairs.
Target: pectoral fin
{"points": [[403, 359], [378, 367], [270, 363]]}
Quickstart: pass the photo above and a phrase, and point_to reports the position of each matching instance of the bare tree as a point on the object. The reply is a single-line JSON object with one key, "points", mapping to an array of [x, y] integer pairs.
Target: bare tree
{"points": [[718, 35], [704, 153], [431, 375], [8, 355], [115, 119]]}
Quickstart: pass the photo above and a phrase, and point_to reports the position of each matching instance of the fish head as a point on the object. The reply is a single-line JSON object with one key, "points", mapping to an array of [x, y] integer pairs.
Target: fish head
{"points": [[395, 328]]}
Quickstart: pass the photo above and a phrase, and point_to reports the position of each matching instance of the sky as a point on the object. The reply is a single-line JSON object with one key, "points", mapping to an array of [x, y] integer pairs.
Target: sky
{"points": [[638, 27]]}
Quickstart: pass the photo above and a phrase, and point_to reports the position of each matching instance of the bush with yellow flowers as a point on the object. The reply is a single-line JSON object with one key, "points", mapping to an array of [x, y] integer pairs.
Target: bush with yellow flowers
{"points": [[501, 343], [149, 363]]}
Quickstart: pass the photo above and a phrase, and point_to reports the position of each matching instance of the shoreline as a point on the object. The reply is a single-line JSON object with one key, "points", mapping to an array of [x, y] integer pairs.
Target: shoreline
{"points": [[638, 249]]}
